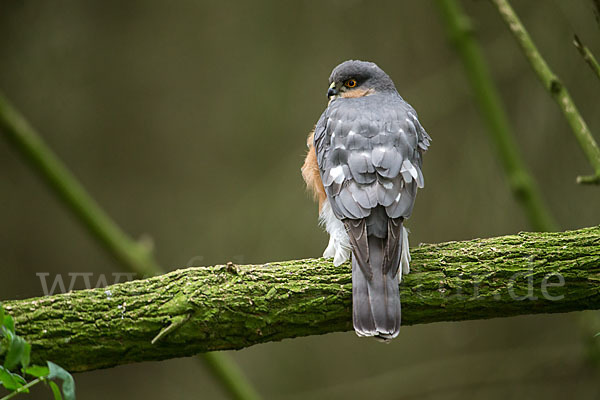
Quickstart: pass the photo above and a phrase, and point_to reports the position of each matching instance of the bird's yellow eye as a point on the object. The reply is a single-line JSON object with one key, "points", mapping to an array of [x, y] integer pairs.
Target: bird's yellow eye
{"points": [[350, 83]]}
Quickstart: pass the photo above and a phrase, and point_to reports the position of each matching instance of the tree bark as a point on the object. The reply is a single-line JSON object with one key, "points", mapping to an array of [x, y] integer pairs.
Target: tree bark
{"points": [[225, 307]]}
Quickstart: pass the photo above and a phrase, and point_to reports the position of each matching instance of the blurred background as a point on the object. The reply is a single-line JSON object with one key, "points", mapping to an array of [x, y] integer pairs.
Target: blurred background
{"points": [[187, 122]]}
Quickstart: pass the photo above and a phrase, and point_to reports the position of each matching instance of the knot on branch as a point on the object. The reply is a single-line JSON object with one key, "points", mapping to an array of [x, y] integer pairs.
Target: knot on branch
{"points": [[555, 85]]}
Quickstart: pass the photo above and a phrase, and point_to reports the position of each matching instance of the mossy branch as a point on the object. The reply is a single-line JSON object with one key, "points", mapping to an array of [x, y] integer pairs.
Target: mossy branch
{"points": [[555, 87], [225, 307]]}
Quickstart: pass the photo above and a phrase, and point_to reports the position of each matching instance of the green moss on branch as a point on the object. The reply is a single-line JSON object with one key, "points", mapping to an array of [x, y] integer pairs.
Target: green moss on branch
{"points": [[232, 308]]}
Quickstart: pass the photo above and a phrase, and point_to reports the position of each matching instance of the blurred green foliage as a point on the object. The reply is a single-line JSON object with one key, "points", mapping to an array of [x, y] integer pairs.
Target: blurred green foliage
{"points": [[15, 354]]}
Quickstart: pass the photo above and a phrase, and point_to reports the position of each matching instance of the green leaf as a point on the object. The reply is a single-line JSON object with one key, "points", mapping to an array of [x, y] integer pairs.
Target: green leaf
{"points": [[55, 390], [37, 371], [8, 380], [1, 315], [7, 338], [16, 352], [26, 355], [68, 385], [9, 323], [5, 342], [19, 379]]}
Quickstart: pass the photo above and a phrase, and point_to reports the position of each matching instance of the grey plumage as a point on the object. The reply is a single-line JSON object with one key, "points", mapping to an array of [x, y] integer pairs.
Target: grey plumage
{"points": [[369, 151]]}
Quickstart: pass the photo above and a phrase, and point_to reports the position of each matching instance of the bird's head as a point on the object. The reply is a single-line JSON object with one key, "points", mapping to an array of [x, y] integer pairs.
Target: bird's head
{"points": [[355, 78]]}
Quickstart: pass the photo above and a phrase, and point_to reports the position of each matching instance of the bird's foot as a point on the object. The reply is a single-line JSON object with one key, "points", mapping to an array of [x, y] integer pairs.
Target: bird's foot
{"points": [[330, 250], [338, 251]]}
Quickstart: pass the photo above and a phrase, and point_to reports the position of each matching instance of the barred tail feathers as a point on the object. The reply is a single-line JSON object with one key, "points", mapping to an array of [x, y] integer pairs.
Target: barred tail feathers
{"points": [[376, 266]]}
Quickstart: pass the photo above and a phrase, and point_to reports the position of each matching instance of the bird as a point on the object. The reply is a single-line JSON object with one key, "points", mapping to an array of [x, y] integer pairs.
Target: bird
{"points": [[364, 166]]}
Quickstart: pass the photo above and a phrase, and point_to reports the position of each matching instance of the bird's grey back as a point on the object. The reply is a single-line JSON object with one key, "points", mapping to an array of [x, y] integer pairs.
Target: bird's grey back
{"points": [[369, 150]]}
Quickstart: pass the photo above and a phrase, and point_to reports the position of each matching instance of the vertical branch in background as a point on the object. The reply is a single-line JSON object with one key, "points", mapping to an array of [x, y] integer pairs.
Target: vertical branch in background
{"points": [[521, 183], [555, 87], [133, 255]]}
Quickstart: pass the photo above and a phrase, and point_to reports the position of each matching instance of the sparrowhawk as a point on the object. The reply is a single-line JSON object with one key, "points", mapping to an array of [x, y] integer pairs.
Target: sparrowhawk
{"points": [[364, 167]]}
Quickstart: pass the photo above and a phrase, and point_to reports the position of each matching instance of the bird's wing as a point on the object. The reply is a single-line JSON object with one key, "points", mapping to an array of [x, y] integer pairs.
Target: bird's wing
{"points": [[369, 152]]}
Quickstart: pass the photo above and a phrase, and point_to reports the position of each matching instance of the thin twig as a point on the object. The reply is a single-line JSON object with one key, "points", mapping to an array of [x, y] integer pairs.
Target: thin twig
{"points": [[136, 256], [520, 180], [23, 389], [552, 83], [587, 55], [589, 179], [596, 4], [229, 372], [64, 184]]}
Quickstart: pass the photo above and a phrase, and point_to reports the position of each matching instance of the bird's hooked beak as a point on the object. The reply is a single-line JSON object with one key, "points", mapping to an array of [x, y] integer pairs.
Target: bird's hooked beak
{"points": [[332, 92]]}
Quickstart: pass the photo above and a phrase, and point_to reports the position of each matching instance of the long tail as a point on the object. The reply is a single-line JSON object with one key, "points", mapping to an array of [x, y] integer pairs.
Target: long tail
{"points": [[376, 308]]}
